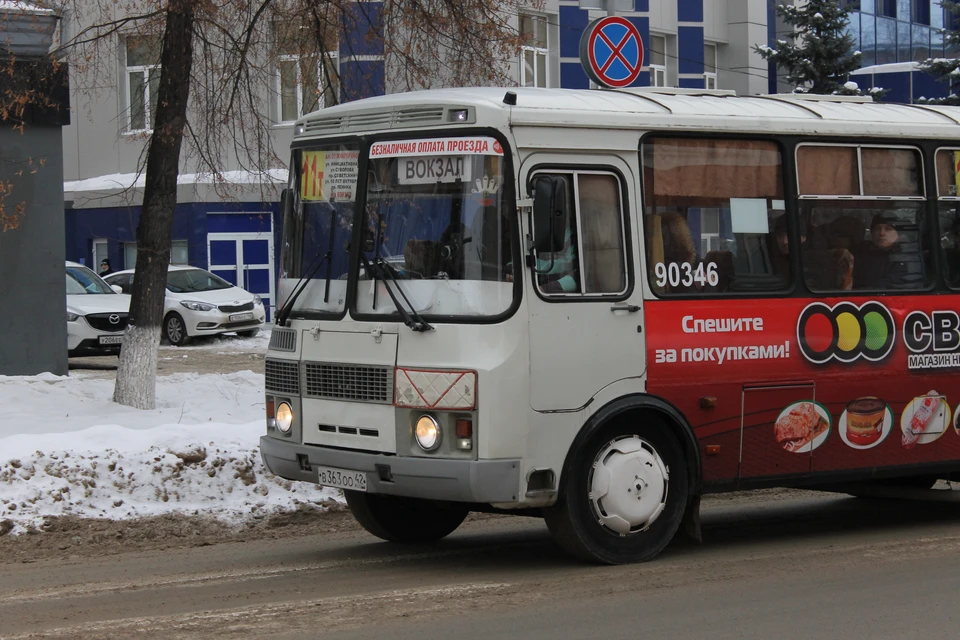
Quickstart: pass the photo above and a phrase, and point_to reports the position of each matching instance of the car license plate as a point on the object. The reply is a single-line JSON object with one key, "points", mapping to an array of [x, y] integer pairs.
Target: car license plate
{"points": [[342, 478], [110, 339], [241, 316]]}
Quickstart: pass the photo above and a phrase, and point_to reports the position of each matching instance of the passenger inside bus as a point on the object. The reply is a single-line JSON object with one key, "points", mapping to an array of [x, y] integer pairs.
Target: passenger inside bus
{"points": [[826, 259], [890, 259], [558, 272]]}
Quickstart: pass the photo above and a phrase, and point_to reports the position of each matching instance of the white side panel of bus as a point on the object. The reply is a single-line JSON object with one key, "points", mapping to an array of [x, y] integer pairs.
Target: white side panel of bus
{"points": [[579, 345]]}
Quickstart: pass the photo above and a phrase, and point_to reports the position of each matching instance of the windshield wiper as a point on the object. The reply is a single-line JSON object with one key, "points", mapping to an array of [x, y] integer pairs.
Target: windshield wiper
{"points": [[300, 286], [412, 319]]}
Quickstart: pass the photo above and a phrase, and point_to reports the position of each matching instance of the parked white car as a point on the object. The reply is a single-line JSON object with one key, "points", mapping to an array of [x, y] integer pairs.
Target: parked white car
{"points": [[199, 303], [96, 313]]}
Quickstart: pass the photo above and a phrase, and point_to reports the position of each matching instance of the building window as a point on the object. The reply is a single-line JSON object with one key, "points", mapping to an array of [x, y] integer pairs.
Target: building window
{"points": [[887, 8], [658, 61], [143, 78], [710, 66], [178, 253], [306, 83], [921, 11], [709, 230], [886, 41], [533, 52]]}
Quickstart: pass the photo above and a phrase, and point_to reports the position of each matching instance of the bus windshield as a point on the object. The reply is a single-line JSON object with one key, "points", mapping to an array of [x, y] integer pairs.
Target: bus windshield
{"points": [[316, 239], [436, 222]]}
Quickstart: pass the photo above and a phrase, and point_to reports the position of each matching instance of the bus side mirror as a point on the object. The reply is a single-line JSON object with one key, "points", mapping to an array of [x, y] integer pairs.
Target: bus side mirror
{"points": [[549, 213]]}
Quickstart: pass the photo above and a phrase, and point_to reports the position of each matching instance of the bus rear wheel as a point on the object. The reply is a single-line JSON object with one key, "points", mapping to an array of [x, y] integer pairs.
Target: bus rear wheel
{"points": [[624, 496], [404, 520]]}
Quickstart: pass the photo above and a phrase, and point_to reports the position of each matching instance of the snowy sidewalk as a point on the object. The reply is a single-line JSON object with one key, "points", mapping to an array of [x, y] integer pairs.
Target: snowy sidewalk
{"points": [[67, 449]]}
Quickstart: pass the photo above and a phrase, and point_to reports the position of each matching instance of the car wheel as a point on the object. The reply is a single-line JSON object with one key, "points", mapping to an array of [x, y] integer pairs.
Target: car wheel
{"points": [[175, 330], [623, 496], [406, 520], [252, 333]]}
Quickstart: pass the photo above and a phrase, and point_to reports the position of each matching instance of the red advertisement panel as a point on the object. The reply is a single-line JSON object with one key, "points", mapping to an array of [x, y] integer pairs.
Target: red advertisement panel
{"points": [[797, 386]]}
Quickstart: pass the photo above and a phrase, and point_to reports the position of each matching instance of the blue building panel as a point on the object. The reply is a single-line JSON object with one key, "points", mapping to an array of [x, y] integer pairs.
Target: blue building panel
{"points": [[362, 29], [692, 83], [191, 223], [690, 49], [238, 223], [572, 76], [896, 84], [642, 23], [223, 252], [573, 22], [926, 86], [361, 79], [690, 10]]}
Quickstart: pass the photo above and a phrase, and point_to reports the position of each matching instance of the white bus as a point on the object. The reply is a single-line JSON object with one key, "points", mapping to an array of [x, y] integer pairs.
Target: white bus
{"points": [[597, 306]]}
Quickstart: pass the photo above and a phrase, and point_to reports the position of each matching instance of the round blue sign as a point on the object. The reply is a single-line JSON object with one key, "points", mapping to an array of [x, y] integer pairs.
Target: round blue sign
{"points": [[611, 51]]}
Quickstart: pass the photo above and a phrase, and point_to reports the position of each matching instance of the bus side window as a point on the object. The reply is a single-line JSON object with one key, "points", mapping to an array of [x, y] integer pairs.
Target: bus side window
{"points": [[857, 241], [593, 258], [948, 206], [710, 209], [559, 272]]}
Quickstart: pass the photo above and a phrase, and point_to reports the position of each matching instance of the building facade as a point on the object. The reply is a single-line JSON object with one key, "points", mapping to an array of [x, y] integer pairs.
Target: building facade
{"points": [[693, 44]]}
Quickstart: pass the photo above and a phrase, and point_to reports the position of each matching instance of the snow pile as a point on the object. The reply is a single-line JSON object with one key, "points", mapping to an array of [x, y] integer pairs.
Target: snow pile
{"points": [[66, 449], [138, 180]]}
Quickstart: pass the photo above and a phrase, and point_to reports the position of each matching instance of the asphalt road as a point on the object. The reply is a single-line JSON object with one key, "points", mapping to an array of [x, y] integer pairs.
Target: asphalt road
{"points": [[771, 566]]}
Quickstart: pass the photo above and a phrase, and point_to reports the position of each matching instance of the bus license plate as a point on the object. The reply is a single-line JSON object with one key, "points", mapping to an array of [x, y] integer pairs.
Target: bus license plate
{"points": [[241, 316], [342, 478], [110, 339]]}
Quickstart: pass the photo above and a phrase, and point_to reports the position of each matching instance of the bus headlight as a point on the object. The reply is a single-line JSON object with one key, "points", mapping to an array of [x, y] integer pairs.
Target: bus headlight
{"points": [[428, 433], [284, 417]]}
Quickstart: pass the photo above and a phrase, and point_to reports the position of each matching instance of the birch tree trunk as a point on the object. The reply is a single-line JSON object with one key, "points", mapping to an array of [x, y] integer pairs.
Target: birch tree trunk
{"points": [[137, 373]]}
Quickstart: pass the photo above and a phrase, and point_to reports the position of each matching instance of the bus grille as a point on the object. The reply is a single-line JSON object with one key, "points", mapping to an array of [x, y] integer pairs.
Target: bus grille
{"points": [[282, 376], [283, 339], [352, 382]]}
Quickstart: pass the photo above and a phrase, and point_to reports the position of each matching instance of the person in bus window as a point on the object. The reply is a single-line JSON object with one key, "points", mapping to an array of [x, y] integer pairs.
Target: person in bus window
{"points": [[678, 248], [561, 276], [781, 257], [889, 260], [827, 266]]}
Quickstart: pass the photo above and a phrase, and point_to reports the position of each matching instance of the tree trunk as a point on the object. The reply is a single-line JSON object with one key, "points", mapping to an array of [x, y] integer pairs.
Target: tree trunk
{"points": [[137, 373]]}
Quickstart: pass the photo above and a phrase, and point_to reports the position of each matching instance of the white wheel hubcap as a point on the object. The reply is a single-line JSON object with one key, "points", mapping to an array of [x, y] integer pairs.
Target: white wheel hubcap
{"points": [[628, 485]]}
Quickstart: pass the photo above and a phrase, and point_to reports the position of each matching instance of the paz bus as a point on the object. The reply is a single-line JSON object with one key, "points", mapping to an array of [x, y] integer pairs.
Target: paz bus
{"points": [[597, 306]]}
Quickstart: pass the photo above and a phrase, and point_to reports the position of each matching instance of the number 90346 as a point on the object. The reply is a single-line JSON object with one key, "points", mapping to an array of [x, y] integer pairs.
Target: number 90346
{"points": [[678, 274]]}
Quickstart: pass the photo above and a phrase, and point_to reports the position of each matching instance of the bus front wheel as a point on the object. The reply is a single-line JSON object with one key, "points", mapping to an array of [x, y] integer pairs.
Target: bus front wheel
{"points": [[624, 496], [405, 520]]}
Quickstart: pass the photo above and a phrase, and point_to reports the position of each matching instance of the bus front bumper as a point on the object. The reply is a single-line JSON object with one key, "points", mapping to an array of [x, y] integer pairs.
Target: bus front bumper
{"points": [[476, 481]]}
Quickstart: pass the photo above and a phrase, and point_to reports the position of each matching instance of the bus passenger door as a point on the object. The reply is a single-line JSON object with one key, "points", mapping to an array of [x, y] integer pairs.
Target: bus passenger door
{"points": [[584, 308], [781, 426]]}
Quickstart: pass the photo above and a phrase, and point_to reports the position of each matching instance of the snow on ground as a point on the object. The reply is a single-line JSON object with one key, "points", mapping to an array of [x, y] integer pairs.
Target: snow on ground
{"points": [[231, 342], [67, 449]]}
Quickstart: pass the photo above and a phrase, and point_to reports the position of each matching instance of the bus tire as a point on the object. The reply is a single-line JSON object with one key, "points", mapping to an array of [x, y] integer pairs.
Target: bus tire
{"points": [[404, 520], [620, 525]]}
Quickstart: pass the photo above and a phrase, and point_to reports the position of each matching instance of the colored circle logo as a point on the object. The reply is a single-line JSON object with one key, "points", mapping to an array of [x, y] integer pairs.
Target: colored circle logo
{"points": [[611, 52], [845, 332]]}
